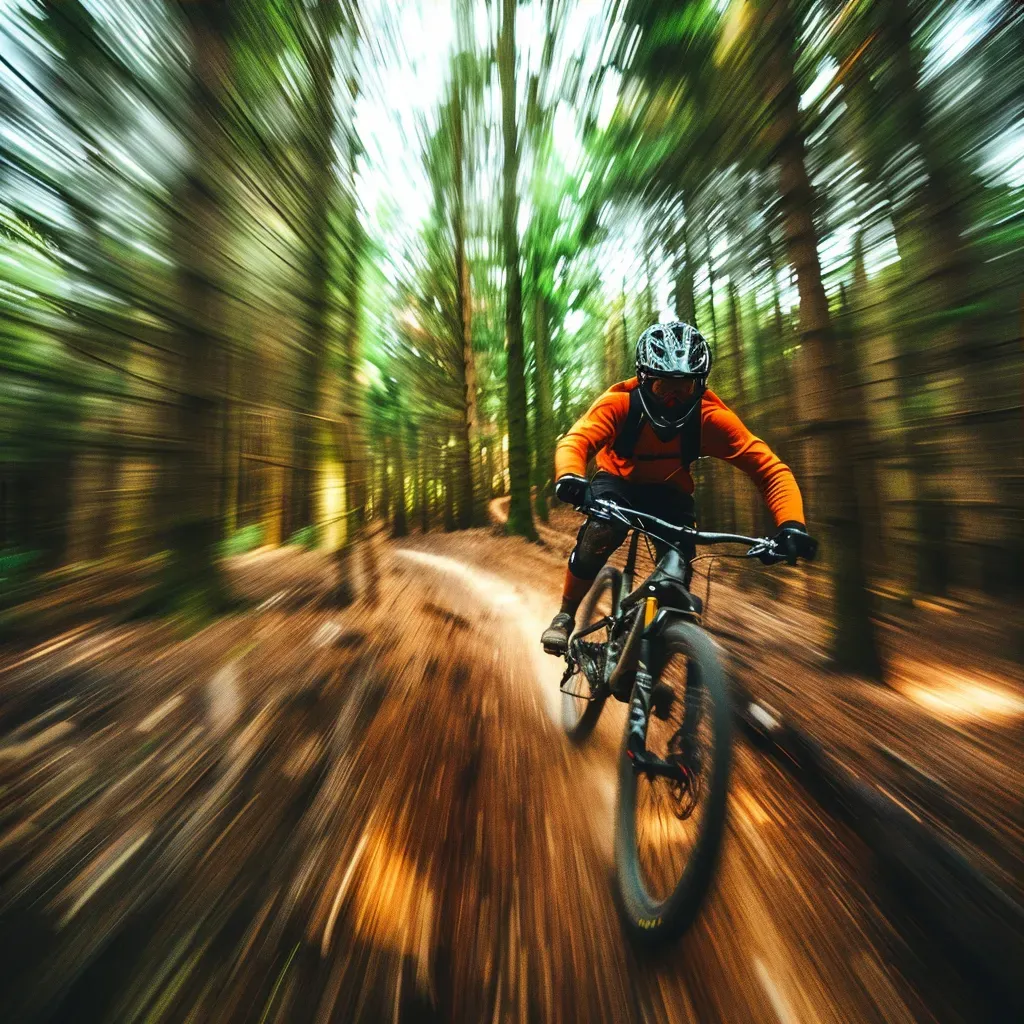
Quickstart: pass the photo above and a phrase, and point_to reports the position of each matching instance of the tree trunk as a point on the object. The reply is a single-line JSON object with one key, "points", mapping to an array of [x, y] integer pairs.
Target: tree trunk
{"points": [[385, 513], [424, 488], [723, 483], [686, 308], [449, 490], [319, 156], [399, 522], [192, 471], [747, 505], [612, 348], [711, 285], [520, 516], [565, 418], [415, 443], [230, 465], [349, 435], [467, 425], [851, 351], [854, 643], [931, 557], [650, 314], [489, 464], [544, 469], [1015, 559]]}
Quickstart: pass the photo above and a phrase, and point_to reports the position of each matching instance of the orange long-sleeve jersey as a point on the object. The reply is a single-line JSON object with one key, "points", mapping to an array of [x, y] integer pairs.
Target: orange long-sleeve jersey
{"points": [[723, 436]]}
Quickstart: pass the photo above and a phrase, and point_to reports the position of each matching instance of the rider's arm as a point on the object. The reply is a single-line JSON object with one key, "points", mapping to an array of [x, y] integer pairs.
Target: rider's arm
{"points": [[595, 429], [725, 436]]}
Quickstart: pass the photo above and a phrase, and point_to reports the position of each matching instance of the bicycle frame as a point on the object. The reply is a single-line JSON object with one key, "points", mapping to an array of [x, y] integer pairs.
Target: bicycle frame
{"points": [[648, 607], [633, 623]]}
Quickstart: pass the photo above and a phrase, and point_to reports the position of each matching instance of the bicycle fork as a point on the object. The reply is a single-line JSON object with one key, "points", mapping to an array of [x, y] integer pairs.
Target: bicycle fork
{"points": [[640, 708]]}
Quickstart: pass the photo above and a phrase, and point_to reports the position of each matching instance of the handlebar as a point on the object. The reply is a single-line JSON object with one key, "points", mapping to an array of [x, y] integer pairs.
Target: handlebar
{"points": [[673, 534]]}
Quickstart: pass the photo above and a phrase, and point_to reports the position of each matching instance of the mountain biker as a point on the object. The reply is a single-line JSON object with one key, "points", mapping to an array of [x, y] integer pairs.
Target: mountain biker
{"points": [[645, 433]]}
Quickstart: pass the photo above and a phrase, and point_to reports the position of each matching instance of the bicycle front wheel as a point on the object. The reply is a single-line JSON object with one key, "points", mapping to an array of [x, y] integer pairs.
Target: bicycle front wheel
{"points": [[669, 832], [584, 695]]}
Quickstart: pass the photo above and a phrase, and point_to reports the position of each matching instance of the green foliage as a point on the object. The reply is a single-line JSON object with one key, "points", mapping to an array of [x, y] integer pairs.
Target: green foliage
{"points": [[307, 537], [246, 539], [165, 239], [15, 570]]}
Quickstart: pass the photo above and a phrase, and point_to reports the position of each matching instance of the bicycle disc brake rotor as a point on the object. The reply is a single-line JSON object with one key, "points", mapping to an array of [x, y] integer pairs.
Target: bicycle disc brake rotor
{"points": [[684, 751]]}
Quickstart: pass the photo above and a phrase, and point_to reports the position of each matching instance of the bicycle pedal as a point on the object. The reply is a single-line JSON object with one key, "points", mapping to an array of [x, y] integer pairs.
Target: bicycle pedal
{"points": [[662, 699]]}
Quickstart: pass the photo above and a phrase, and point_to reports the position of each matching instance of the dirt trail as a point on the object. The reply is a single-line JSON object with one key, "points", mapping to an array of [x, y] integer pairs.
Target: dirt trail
{"points": [[944, 736], [790, 932], [303, 814]]}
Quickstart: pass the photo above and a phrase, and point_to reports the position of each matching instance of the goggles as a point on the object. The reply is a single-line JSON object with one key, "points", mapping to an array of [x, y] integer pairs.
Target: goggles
{"points": [[672, 390]]}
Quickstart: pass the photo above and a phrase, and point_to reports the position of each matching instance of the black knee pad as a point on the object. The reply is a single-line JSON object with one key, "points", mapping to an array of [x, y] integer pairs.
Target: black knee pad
{"points": [[595, 541]]}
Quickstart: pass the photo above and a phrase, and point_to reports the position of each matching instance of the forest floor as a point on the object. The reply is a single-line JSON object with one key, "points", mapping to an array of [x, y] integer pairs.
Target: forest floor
{"points": [[301, 813]]}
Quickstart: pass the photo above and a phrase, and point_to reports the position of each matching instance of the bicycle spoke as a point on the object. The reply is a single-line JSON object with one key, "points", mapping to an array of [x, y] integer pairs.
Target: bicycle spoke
{"points": [[668, 816]]}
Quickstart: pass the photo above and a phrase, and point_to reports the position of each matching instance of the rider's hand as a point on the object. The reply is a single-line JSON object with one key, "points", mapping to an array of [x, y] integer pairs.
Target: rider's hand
{"points": [[573, 490], [792, 542]]}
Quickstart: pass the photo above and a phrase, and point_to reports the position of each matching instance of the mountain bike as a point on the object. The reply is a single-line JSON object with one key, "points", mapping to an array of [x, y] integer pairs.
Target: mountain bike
{"points": [[645, 647]]}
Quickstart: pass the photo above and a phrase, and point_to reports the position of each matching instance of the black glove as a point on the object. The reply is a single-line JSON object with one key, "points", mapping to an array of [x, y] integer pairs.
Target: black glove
{"points": [[792, 542], [573, 490]]}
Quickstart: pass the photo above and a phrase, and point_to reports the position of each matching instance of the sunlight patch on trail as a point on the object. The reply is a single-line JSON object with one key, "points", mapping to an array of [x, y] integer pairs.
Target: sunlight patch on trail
{"points": [[952, 695], [525, 610]]}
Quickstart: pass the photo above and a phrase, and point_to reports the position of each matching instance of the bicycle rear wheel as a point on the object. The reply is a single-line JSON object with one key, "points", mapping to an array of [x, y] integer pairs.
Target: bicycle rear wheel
{"points": [[584, 695], [668, 833]]}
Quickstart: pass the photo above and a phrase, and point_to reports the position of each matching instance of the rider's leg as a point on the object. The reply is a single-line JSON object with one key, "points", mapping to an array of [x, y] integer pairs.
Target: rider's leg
{"points": [[595, 541]]}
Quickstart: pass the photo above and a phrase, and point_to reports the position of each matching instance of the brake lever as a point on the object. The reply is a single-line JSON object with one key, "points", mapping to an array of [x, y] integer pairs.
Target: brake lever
{"points": [[765, 547], [593, 512], [605, 513]]}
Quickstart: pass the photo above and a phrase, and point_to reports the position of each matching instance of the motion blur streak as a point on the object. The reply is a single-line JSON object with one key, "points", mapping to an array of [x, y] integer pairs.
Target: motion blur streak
{"points": [[296, 299]]}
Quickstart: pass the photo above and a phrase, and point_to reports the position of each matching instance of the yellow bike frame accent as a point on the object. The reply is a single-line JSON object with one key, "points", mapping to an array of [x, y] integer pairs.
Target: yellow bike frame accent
{"points": [[650, 610]]}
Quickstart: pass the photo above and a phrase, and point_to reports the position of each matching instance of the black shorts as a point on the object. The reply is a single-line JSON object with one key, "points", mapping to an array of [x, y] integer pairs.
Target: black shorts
{"points": [[597, 538], [661, 500]]}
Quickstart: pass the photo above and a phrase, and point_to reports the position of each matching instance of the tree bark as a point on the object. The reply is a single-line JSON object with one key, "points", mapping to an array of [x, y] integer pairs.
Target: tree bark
{"points": [[544, 469], [385, 481], [450, 522], [722, 483], [686, 308], [424, 488], [854, 645], [851, 351], [319, 157], [931, 555], [192, 467], [746, 507], [349, 436], [399, 521], [520, 516], [467, 426]]}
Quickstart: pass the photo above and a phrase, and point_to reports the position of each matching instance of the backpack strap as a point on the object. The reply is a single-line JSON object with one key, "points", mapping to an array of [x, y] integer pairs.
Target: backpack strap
{"points": [[689, 439], [625, 441]]}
